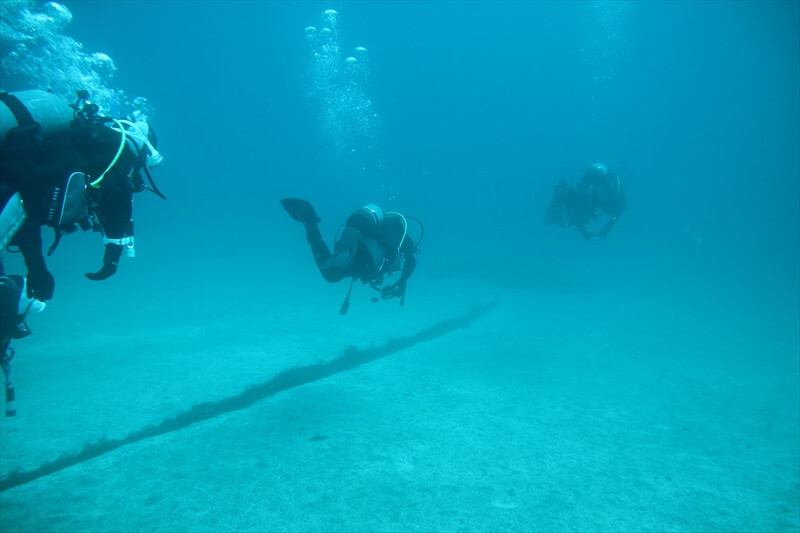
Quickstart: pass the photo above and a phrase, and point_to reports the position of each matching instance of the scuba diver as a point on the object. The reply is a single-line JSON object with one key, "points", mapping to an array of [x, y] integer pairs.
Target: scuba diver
{"points": [[66, 166], [372, 245], [596, 202], [15, 305]]}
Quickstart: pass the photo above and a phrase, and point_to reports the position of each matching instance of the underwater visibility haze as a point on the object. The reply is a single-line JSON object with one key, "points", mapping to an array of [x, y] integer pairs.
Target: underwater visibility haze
{"points": [[532, 380]]}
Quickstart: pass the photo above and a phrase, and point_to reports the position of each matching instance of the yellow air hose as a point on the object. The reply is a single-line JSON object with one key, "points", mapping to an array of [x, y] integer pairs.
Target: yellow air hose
{"points": [[123, 136]]}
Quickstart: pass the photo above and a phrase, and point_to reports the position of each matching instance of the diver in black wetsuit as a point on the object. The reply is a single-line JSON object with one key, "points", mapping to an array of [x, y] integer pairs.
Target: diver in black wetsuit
{"points": [[599, 195], [65, 166], [373, 244]]}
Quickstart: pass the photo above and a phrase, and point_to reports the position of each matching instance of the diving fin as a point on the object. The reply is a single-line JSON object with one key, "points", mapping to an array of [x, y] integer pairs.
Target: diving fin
{"points": [[300, 210], [558, 209]]}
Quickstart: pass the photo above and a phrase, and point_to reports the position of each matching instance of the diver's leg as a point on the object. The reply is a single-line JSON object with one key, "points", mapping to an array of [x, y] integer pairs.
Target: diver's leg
{"points": [[319, 249], [303, 211], [339, 264], [333, 267]]}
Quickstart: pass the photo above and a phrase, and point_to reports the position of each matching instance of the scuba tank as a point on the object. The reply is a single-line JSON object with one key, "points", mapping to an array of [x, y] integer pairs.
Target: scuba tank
{"points": [[11, 218], [32, 112]]}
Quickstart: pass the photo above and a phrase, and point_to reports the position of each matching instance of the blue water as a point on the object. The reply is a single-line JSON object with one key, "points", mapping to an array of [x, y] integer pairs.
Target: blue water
{"points": [[464, 116]]}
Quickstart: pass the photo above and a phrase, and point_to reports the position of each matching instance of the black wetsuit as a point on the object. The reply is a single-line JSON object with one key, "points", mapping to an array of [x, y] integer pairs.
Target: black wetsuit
{"points": [[598, 194], [39, 168], [365, 251]]}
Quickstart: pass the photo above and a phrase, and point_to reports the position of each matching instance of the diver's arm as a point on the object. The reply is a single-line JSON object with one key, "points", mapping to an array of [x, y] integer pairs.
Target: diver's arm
{"points": [[610, 224], [588, 235], [618, 209], [409, 250], [41, 283]]}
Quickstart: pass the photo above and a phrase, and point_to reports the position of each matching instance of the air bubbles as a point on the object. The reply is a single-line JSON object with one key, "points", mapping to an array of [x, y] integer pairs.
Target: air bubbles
{"points": [[340, 82], [330, 17], [103, 64], [41, 55], [605, 46], [58, 14]]}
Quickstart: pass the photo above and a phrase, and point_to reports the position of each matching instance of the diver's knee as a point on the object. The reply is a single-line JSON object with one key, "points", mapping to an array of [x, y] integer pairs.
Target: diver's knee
{"points": [[332, 275]]}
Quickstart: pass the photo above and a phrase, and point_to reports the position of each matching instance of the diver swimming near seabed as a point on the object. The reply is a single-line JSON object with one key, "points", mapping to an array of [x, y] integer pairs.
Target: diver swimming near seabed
{"points": [[373, 244], [597, 201]]}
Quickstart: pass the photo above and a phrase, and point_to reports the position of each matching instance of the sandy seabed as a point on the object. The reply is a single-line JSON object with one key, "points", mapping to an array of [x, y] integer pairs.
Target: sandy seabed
{"points": [[555, 411]]}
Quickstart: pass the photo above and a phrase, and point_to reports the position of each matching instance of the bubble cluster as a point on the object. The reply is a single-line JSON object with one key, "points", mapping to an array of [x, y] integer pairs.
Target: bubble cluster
{"points": [[37, 54], [349, 122], [606, 46]]}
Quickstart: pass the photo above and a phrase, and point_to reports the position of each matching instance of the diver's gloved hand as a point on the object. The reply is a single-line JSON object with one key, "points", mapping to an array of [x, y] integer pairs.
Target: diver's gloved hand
{"points": [[400, 291], [397, 290], [41, 284], [110, 262], [588, 235], [604, 232]]}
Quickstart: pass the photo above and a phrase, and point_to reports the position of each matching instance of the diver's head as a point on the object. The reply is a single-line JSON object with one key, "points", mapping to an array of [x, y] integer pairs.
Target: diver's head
{"points": [[373, 211], [144, 139], [367, 219], [148, 144], [14, 306], [597, 174], [27, 305]]}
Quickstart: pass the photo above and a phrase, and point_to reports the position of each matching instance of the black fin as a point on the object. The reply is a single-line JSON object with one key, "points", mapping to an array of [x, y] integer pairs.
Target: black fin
{"points": [[300, 210]]}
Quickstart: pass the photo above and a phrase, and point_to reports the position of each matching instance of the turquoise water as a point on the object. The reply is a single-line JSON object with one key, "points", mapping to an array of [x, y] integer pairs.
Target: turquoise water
{"points": [[533, 381]]}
